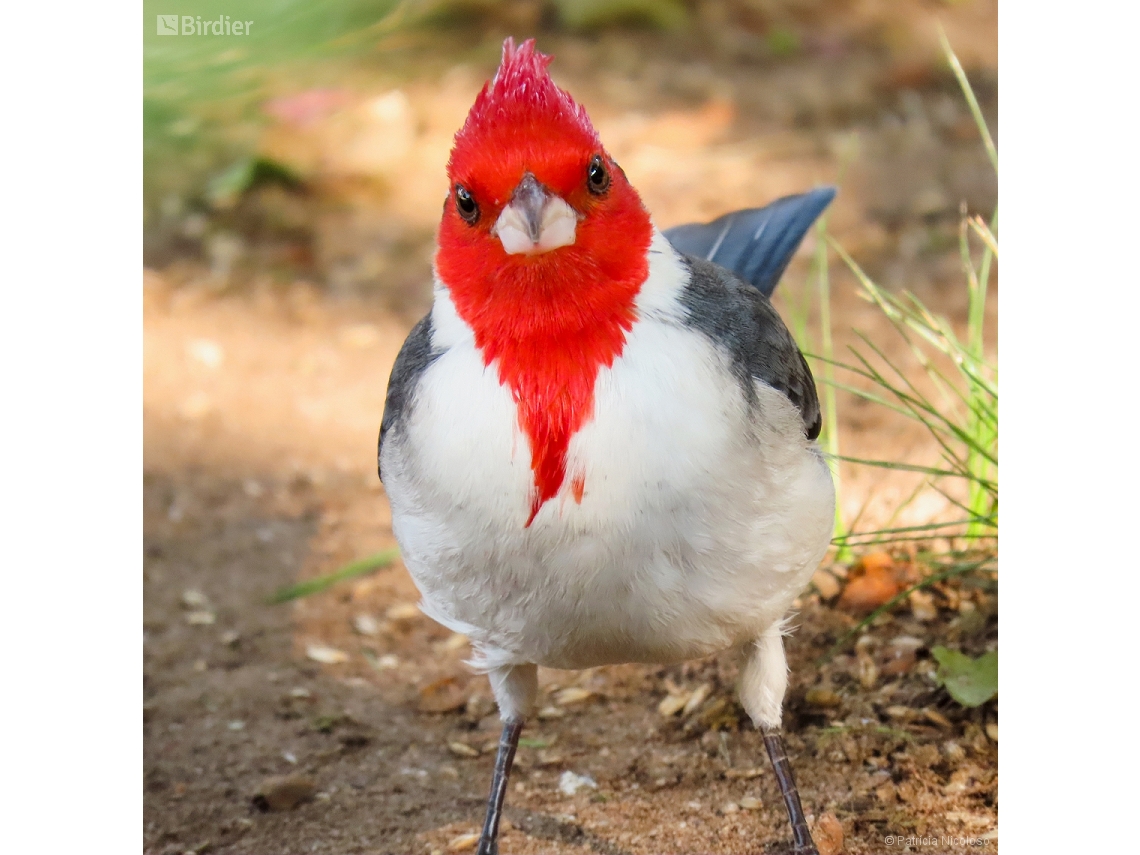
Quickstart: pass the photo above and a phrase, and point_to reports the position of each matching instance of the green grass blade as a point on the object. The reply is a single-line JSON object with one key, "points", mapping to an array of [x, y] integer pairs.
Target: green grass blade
{"points": [[968, 91], [360, 567]]}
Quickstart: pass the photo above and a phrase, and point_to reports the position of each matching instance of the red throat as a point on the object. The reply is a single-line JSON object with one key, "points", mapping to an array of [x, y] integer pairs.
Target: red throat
{"points": [[548, 322]]}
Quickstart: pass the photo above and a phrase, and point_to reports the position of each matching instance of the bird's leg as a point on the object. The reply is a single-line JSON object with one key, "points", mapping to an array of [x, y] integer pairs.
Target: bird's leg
{"points": [[508, 743], [801, 836], [515, 688], [764, 680]]}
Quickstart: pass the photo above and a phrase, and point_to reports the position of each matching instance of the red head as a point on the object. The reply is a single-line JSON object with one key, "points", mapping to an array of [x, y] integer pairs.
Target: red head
{"points": [[533, 192], [543, 247]]}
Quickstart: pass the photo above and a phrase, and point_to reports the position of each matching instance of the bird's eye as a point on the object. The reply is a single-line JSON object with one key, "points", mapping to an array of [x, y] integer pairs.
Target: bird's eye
{"points": [[465, 204], [598, 177]]}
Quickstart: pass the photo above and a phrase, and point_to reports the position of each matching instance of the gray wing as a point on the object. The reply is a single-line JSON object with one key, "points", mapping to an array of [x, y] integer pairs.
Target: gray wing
{"points": [[740, 320], [757, 243], [414, 358]]}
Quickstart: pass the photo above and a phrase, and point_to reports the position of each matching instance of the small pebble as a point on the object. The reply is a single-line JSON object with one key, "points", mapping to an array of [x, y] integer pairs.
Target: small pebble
{"points": [[953, 752], [366, 625], [750, 803], [194, 599], [284, 792], [922, 606], [200, 618], [569, 783], [236, 724], [991, 730], [672, 704], [326, 655]]}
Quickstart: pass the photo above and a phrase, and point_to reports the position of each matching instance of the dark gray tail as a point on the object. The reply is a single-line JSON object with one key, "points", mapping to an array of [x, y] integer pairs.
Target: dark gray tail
{"points": [[757, 243]]}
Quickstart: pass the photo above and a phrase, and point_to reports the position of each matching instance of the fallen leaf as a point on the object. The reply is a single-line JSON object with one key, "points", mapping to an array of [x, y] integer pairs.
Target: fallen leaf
{"points": [[462, 749], [403, 611], [696, 699], [868, 587], [935, 717], [572, 695], [971, 682], [455, 641], [446, 695], [463, 842], [739, 774], [822, 697], [828, 835], [672, 704], [825, 583]]}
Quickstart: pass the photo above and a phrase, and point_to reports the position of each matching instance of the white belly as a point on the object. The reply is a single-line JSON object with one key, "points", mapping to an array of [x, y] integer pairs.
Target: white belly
{"points": [[699, 523]]}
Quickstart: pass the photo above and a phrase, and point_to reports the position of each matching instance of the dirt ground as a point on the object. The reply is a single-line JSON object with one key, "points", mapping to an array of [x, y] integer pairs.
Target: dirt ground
{"points": [[263, 396]]}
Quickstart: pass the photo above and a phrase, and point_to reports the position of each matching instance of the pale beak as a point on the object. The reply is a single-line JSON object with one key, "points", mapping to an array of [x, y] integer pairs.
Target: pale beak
{"points": [[535, 220]]}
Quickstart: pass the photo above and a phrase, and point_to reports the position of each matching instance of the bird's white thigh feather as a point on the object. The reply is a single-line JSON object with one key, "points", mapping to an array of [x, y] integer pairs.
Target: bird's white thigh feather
{"points": [[515, 688], [764, 678]]}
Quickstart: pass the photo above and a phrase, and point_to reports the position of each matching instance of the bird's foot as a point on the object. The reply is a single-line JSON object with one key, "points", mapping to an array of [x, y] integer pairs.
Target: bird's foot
{"points": [[490, 846]]}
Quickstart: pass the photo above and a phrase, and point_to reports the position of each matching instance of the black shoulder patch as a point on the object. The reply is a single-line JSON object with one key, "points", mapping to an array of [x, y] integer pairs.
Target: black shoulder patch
{"points": [[414, 358], [740, 320]]}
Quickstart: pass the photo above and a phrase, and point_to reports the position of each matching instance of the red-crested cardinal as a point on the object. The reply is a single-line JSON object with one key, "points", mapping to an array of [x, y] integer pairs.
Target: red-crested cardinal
{"points": [[598, 448]]}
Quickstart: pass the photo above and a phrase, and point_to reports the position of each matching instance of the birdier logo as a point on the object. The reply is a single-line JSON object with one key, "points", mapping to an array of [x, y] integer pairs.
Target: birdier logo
{"points": [[193, 25]]}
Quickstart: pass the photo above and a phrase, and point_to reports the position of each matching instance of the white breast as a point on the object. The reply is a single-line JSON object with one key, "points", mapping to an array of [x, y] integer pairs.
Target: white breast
{"points": [[700, 521]]}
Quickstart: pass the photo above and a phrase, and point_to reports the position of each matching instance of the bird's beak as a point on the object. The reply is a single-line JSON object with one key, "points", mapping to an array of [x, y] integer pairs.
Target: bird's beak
{"points": [[535, 220]]}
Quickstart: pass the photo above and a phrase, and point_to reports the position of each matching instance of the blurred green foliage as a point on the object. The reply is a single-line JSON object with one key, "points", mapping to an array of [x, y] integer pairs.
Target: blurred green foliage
{"points": [[585, 14], [202, 94]]}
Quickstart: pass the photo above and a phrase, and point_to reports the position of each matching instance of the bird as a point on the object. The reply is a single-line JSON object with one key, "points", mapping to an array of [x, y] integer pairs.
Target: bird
{"points": [[599, 445]]}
